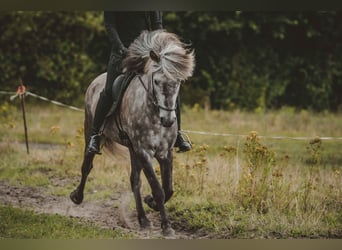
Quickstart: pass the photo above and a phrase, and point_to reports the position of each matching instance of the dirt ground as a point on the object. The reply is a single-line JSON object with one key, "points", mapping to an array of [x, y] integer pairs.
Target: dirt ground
{"points": [[113, 213]]}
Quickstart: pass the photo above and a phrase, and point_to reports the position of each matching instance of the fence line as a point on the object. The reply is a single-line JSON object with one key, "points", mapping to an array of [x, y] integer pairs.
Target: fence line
{"points": [[186, 131], [41, 98], [261, 136], [54, 102], [7, 93]]}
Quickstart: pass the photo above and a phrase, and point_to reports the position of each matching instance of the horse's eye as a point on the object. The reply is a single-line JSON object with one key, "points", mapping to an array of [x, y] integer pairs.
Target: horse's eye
{"points": [[156, 82]]}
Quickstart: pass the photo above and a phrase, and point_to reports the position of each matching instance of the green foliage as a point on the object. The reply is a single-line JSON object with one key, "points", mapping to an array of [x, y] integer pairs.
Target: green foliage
{"points": [[247, 60], [263, 60], [49, 52]]}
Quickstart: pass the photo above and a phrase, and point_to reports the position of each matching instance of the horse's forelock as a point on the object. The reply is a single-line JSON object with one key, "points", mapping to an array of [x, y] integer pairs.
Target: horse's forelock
{"points": [[176, 62]]}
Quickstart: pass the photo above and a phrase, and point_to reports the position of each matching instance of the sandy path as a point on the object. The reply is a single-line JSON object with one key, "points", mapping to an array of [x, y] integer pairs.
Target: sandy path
{"points": [[113, 213]]}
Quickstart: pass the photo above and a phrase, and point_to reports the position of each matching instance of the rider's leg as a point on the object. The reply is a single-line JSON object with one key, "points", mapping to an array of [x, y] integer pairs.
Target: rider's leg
{"points": [[181, 143], [105, 101]]}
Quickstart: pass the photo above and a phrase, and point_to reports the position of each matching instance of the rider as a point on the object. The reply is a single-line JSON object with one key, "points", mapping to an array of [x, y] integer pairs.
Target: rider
{"points": [[129, 25]]}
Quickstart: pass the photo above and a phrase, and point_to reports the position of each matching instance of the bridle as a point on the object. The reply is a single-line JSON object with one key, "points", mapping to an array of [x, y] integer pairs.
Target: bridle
{"points": [[154, 98]]}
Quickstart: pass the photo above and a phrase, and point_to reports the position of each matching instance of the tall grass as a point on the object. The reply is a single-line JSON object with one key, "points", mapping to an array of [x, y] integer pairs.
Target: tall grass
{"points": [[290, 200], [238, 186], [284, 188]]}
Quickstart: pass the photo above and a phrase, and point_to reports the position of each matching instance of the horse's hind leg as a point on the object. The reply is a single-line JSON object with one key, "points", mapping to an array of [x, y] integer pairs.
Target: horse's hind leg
{"points": [[77, 195], [136, 185]]}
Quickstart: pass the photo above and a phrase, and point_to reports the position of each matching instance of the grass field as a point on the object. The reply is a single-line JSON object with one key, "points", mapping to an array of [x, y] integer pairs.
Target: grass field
{"points": [[241, 186], [25, 224]]}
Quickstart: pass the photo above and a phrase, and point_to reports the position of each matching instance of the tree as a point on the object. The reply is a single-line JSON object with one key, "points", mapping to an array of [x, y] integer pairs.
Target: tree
{"points": [[53, 53], [263, 60], [246, 60]]}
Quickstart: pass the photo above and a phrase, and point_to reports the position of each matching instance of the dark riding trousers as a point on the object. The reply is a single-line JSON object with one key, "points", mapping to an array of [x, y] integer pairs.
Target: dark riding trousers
{"points": [[122, 29]]}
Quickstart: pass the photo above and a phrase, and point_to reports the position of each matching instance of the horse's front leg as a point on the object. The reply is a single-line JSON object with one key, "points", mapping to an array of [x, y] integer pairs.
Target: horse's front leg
{"points": [[159, 198], [77, 195], [166, 175], [136, 185]]}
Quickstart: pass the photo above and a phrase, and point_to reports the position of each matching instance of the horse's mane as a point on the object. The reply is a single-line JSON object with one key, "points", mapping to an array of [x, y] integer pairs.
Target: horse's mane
{"points": [[169, 55]]}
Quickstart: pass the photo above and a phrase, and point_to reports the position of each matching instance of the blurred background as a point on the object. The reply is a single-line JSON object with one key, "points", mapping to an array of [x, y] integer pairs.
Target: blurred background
{"points": [[253, 61]]}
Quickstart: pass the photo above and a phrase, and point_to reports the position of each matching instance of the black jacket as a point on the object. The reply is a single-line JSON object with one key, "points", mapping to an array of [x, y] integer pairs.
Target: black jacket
{"points": [[123, 26]]}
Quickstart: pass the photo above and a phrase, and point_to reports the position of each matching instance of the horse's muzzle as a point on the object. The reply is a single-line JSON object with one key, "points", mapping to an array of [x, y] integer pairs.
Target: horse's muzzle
{"points": [[167, 122]]}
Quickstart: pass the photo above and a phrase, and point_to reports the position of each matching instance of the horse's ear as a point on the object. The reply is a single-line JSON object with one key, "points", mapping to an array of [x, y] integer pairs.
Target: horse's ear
{"points": [[154, 56]]}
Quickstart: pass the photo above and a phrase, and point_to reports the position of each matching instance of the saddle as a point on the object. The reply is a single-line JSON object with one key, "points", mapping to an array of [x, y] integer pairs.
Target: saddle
{"points": [[118, 89]]}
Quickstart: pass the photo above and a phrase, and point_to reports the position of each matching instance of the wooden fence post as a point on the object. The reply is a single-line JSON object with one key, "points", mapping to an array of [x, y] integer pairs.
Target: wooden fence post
{"points": [[21, 93]]}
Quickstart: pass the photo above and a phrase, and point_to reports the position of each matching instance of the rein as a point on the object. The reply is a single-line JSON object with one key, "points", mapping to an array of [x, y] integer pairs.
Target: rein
{"points": [[154, 97]]}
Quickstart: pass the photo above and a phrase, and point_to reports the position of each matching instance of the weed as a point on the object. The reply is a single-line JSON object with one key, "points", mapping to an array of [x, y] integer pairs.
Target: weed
{"points": [[254, 184], [315, 149], [195, 170]]}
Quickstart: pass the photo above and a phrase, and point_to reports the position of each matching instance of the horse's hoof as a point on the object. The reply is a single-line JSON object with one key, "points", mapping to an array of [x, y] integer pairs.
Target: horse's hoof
{"points": [[145, 223], [167, 229], [76, 197], [169, 232], [151, 202]]}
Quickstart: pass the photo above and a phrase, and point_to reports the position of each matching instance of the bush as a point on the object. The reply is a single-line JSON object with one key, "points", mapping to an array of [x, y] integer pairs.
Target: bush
{"points": [[52, 53]]}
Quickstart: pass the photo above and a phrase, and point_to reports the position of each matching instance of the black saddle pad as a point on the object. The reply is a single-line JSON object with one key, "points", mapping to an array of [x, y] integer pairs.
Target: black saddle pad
{"points": [[119, 87]]}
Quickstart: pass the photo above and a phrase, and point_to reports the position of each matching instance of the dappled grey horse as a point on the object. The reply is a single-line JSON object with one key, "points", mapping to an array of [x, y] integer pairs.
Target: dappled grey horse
{"points": [[145, 121]]}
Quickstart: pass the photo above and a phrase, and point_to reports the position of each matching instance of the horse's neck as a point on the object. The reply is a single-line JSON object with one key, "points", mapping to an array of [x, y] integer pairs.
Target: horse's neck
{"points": [[145, 82], [140, 91]]}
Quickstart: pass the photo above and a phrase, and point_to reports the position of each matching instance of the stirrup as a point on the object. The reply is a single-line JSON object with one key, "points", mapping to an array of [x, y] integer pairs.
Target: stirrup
{"points": [[94, 144], [182, 144]]}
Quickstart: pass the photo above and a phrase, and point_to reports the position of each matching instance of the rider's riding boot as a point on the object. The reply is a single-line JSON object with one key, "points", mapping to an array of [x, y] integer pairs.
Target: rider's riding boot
{"points": [[181, 143], [102, 108], [94, 144]]}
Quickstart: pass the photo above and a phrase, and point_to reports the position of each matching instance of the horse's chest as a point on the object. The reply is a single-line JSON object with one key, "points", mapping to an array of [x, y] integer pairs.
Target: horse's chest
{"points": [[156, 137]]}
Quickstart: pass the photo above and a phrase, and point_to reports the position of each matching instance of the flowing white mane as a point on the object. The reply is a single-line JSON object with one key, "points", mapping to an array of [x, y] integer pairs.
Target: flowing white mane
{"points": [[169, 55]]}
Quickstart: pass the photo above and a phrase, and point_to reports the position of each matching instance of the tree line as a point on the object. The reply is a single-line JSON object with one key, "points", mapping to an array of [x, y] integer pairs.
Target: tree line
{"points": [[244, 60]]}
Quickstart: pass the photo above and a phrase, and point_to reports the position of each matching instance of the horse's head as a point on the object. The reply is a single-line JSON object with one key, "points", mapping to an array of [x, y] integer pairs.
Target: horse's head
{"points": [[163, 57], [165, 92]]}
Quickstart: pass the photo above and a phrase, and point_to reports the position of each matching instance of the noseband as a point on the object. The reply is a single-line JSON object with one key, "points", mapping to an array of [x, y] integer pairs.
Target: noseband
{"points": [[154, 97]]}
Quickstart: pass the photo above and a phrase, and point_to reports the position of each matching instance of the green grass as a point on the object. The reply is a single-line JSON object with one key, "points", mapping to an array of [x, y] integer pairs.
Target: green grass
{"points": [[46, 123], [25, 224], [232, 221], [224, 187]]}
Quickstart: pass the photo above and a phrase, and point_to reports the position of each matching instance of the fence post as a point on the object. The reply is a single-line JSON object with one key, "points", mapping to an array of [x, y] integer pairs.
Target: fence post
{"points": [[21, 93]]}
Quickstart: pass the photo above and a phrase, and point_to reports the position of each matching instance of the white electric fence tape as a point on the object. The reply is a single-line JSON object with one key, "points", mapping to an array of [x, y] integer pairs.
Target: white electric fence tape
{"points": [[186, 131]]}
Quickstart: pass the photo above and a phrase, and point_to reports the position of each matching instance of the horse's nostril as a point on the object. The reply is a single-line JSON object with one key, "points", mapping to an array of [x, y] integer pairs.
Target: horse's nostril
{"points": [[165, 122]]}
